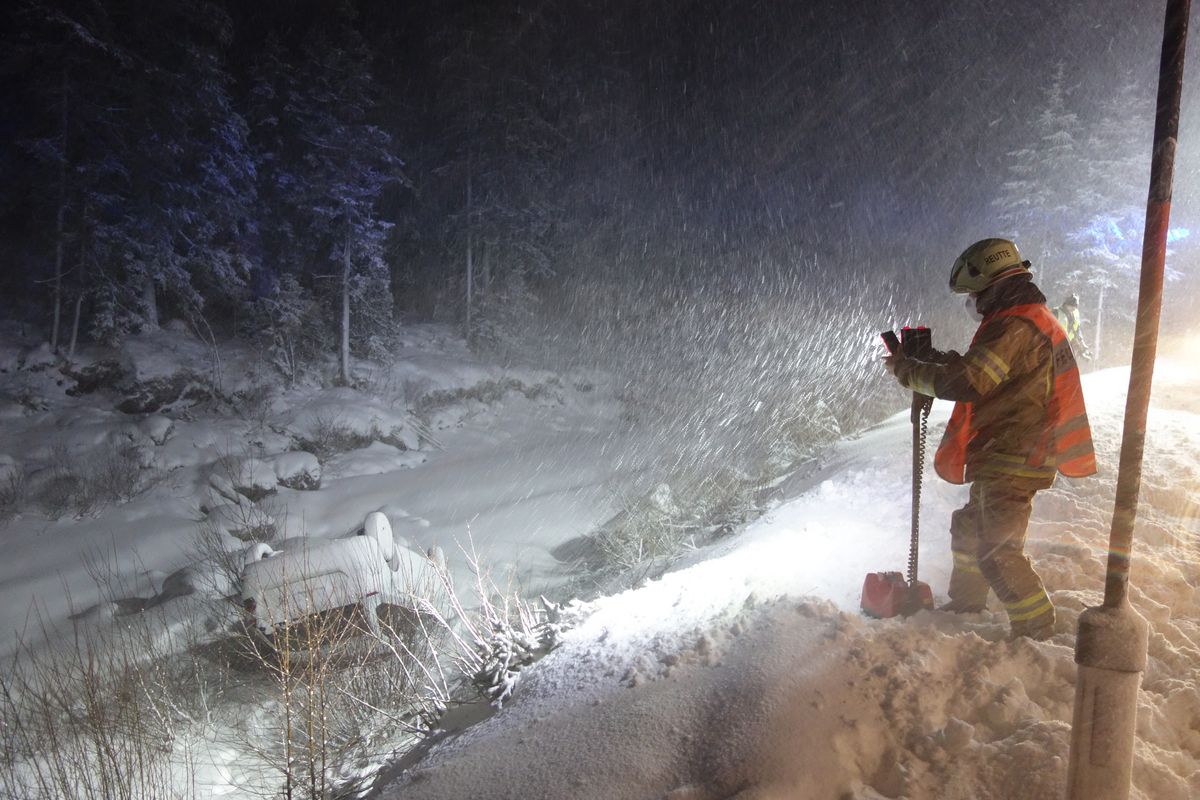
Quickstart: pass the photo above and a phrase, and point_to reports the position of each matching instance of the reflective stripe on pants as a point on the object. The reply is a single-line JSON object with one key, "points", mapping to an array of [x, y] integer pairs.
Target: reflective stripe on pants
{"points": [[987, 537]]}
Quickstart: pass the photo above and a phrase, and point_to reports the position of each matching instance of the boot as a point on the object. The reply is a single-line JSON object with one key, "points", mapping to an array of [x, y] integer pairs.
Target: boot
{"points": [[1038, 633], [961, 607]]}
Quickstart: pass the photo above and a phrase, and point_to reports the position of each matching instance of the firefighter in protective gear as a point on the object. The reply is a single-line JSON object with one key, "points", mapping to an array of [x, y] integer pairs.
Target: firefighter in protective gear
{"points": [[1018, 420], [1068, 316]]}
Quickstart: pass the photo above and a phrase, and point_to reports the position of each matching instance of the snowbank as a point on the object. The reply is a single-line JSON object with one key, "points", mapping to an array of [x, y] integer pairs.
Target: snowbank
{"points": [[693, 688]]}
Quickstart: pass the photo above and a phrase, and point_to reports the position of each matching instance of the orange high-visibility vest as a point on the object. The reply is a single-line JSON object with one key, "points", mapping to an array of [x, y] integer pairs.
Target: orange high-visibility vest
{"points": [[1066, 440]]}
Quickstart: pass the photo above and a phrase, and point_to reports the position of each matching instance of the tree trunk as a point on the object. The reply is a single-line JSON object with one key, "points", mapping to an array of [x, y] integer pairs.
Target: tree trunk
{"points": [[150, 302], [83, 256], [75, 325], [470, 255], [345, 354], [59, 224]]}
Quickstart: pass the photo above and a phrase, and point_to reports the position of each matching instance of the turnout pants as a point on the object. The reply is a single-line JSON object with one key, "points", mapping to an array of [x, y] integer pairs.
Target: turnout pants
{"points": [[987, 537]]}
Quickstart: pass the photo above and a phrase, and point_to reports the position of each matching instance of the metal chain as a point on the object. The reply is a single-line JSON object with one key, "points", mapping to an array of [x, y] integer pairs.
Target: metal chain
{"points": [[920, 435]]}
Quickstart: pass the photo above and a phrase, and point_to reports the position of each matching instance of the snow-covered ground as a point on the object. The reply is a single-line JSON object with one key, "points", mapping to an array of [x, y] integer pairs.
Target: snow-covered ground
{"points": [[510, 462], [109, 517], [744, 672], [748, 673]]}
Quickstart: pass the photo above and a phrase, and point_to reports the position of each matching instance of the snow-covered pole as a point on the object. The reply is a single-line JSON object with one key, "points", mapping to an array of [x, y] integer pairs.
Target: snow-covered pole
{"points": [[1111, 646]]}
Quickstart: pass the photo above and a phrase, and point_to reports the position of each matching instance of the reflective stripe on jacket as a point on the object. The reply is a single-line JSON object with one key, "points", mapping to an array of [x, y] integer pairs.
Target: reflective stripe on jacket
{"points": [[1064, 443]]}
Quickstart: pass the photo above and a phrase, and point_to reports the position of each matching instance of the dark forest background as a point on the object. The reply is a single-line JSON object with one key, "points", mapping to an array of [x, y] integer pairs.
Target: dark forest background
{"points": [[716, 199]]}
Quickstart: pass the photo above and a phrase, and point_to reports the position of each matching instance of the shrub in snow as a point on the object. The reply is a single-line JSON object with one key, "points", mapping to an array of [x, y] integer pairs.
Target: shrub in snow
{"points": [[513, 637], [449, 408], [255, 405], [283, 323], [12, 487], [488, 392], [28, 398], [647, 528], [247, 521], [117, 474], [652, 529], [402, 437], [8, 467], [800, 430], [114, 472], [297, 470], [108, 716], [492, 642], [329, 435]]}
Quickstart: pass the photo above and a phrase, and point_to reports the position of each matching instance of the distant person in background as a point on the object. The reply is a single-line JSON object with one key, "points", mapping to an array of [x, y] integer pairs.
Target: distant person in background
{"points": [[1068, 317], [1018, 420]]}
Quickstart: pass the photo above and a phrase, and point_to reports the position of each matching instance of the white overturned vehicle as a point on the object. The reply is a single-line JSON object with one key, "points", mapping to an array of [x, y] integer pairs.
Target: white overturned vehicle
{"points": [[318, 577]]}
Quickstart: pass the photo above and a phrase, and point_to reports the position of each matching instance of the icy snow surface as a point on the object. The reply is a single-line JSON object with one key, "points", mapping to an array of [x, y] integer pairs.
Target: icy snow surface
{"points": [[749, 673]]}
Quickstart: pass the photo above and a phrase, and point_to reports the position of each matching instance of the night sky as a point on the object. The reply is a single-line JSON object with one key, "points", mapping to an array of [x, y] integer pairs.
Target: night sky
{"points": [[844, 131]]}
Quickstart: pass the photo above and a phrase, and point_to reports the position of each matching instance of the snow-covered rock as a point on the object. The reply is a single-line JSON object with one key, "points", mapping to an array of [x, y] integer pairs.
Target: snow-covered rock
{"points": [[222, 490], [297, 470], [205, 578], [157, 428], [178, 390], [245, 521], [252, 477]]}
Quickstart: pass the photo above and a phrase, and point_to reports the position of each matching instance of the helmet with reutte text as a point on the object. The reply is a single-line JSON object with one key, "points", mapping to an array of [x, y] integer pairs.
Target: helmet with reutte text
{"points": [[984, 264]]}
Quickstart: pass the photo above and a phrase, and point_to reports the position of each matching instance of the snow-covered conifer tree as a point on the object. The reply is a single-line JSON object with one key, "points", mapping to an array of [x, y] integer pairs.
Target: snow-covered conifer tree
{"points": [[147, 158], [1107, 240], [1038, 204], [319, 120]]}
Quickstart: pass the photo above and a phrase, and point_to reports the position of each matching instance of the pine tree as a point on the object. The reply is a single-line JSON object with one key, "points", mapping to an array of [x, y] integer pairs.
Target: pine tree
{"points": [[344, 162], [191, 181], [1106, 243], [276, 146], [69, 50], [501, 154], [1038, 205], [152, 179]]}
